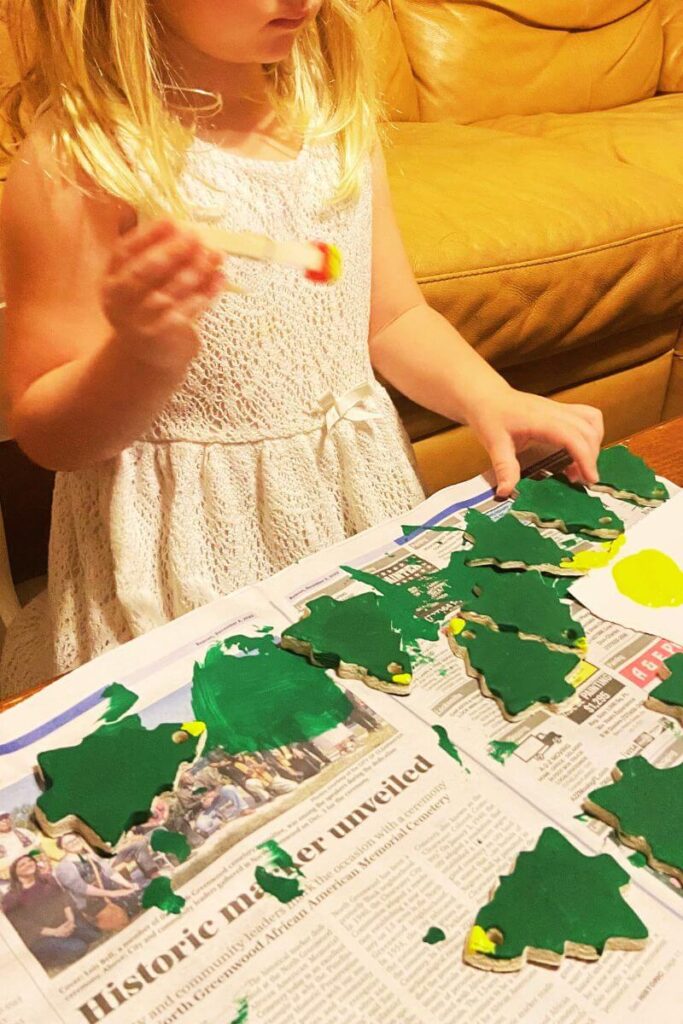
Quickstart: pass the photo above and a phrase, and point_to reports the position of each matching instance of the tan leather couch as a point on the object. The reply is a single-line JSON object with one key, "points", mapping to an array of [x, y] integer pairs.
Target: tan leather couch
{"points": [[535, 154]]}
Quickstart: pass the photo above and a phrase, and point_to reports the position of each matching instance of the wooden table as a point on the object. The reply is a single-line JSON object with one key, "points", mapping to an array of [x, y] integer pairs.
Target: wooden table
{"points": [[661, 447]]}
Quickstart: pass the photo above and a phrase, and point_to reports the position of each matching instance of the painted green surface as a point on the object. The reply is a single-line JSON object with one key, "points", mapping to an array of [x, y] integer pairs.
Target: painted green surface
{"points": [[647, 802], [507, 540], [407, 530], [282, 888], [433, 936], [650, 578], [131, 764], [254, 696], [522, 602], [402, 605], [556, 894], [670, 690], [500, 750], [628, 474], [519, 672], [121, 700], [554, 499], [242, 1013], [165, 841], [160, 894], [358, 631], [278, 858], [446, 744], [638, 859]]}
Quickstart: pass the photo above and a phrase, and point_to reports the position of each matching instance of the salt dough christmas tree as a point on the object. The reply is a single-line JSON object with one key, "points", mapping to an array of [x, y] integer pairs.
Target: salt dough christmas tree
{"points": [[519, 674], [523, 603], [553, 501], [403, 601], [556, 902], [105, 785], [628, 477], [507, 543], [357, 637], [667, 697], [645, 805], [253, 695]]}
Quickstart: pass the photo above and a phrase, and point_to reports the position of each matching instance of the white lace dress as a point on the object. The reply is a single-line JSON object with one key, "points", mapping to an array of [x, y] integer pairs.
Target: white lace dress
{"points": [[245, 470]]}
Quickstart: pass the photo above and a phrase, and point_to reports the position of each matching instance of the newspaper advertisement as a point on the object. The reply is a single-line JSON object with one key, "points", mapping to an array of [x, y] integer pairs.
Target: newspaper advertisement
{"points": [[389, 834]]}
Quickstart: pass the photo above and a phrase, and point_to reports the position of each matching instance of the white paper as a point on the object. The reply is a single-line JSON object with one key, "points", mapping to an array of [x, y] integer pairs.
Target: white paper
{"points": [[662, 530]]}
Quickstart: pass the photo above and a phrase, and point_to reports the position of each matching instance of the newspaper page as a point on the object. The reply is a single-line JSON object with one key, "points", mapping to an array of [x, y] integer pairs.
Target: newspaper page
{"points": [[392, 836]]}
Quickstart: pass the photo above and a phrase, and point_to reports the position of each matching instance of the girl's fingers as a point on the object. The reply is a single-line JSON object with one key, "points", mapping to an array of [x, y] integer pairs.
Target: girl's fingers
{"points": [[137, 240], [193, 278], [501, 450]]}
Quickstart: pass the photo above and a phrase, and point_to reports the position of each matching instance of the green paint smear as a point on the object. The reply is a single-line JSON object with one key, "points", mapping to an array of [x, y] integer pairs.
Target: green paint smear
{"points": [[447, 744], [358, 631], [402, 602], [500, 750], [120, 700], [556, 894], [131, 764], [165, 841], [242, 1013], [670, 691], [519, 672], [433, 936], [263, 630], [650, 578], [647, 802], [638, 859], [628, 476], [582, 817], [279, 858], [284, 889], [506, 541], [265, 698], [407, 530], [160, 894], [556, 502]]}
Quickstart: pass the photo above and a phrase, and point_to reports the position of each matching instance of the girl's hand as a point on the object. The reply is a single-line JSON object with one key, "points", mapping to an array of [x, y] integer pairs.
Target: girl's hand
{"points": [[159, 280], [514, 419]]}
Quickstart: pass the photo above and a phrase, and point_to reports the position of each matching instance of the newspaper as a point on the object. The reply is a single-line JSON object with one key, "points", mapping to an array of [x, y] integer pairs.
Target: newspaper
{"points": [[393, 836]]}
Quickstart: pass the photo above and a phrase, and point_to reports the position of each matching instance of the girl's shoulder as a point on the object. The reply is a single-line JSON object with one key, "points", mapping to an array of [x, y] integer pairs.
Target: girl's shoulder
{"points": [[45, 192]]}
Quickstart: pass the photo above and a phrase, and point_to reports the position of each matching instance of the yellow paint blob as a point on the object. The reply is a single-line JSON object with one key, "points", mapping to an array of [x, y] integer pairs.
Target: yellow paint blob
{"points": [[650, 578], [583, 671], [402, 677], [582, 561], [479, 942], [194, 728], [456, 626]]}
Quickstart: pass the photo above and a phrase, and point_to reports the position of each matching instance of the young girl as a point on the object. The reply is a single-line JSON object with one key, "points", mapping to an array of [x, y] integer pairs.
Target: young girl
{"points": [[205, 438]]}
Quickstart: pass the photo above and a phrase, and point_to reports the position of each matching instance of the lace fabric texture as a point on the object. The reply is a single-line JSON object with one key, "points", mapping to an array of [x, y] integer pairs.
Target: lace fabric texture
{"points": [[240, 475]]}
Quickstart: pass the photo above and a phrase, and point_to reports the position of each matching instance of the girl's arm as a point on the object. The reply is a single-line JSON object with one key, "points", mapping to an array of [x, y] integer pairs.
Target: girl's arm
{"points": [[99, 327], [423, 356]]}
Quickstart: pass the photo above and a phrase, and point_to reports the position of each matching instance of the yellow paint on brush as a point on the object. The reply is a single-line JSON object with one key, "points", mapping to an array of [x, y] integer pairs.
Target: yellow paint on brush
{"points": [[479, 942], [403, 678], [650, 578], [583, 561], [194, 728]]}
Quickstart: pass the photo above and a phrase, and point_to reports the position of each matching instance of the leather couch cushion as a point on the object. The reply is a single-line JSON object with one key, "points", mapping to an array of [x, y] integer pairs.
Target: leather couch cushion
{"points": [[473, 59], [533, 247], [671, 75], [648, 134]]}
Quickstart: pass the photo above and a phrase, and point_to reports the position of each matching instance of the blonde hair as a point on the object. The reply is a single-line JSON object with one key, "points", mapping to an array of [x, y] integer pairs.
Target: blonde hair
{"points": [[95, 65]]}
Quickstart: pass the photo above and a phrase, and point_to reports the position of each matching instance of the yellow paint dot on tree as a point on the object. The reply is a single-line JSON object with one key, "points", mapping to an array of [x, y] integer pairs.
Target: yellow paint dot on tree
{"points": [[650, 578]]}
